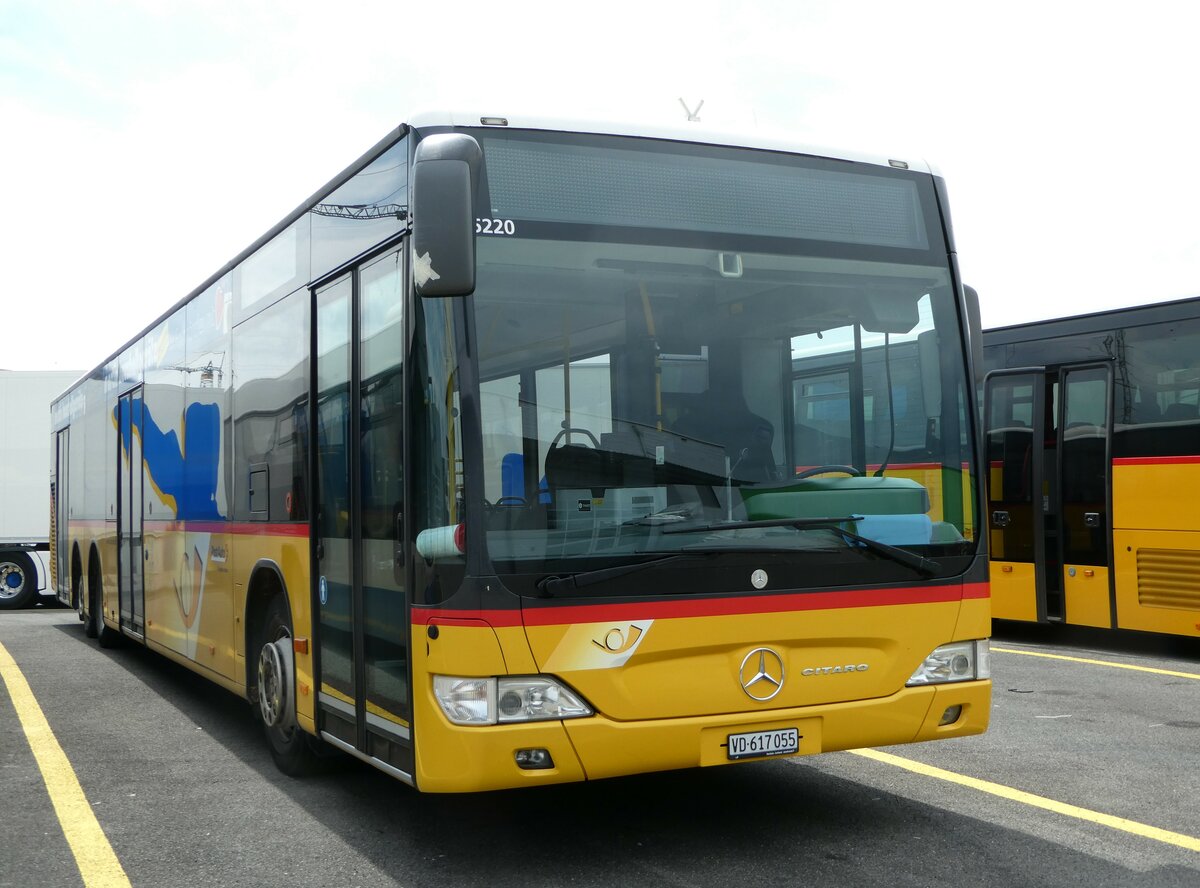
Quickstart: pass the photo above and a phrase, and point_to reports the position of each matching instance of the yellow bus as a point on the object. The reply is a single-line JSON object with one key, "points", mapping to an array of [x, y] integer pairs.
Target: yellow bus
{"points": [[523, 453], [1093, 441]]}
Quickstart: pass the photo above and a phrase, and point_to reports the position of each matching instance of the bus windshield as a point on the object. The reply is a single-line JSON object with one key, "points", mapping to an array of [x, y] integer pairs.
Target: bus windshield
{"points": [[681, 348]]}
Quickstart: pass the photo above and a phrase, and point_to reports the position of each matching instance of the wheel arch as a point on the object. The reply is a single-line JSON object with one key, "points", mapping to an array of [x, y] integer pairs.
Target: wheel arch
{"points": [[266, 582], [76, 573], [95, 572]]}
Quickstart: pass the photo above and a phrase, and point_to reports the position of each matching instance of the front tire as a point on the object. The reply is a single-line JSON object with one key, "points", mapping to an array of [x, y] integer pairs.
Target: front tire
{"points": [[18, 581], [295, 752]]}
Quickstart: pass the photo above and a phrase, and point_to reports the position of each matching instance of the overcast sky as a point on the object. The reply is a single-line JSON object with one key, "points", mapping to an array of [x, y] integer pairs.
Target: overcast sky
{"points": [[144, 143]]}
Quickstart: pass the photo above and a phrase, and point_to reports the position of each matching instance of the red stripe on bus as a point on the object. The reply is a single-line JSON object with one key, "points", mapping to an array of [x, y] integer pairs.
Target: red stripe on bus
{"points": [[238, 528], [714, 607], [1156, 461]]}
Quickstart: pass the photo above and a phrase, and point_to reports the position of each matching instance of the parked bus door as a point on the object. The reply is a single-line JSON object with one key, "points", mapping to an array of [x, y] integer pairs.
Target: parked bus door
{"points": [[1084, 489], [359, 576], [1014, 411], [130, 549], [61, 544]]}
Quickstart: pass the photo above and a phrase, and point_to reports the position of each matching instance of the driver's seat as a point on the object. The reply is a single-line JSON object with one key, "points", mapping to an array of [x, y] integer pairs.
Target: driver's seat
{"points": [[746, 437]]}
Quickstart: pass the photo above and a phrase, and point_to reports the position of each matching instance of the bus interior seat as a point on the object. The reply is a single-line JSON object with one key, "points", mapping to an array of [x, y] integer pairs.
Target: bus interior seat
{"points": [[512, 511], [723, 418], [1180, 412], [578, 466]]}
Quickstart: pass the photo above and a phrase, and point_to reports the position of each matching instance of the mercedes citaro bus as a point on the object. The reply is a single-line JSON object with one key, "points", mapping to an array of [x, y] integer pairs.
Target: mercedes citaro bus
{"points": [[525, 453]]}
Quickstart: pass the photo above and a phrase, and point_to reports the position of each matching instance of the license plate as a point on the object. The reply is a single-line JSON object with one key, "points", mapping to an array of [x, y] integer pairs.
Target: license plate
{"points": [[760, 743]]}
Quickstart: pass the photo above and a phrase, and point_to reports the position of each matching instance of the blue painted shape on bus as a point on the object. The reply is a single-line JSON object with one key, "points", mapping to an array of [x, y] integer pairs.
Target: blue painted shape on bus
{"points": [[186, 474]]}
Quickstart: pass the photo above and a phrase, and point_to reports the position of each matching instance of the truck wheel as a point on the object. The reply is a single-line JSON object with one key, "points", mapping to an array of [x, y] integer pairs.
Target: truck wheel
{"points": [[294, 751], [18, 581]]}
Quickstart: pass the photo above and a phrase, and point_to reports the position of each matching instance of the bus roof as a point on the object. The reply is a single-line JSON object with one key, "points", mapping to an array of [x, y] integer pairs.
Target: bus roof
{"points": [[437, 119], [693, 133], [1092, 322]]}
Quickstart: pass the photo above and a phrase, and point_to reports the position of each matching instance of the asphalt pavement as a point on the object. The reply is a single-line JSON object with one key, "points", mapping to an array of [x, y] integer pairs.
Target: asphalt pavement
{"points": [[1087, 777]]}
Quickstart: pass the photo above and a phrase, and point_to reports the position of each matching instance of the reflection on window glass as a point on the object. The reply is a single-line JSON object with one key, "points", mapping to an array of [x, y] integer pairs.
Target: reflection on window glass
{"points": [[270, 400], [365, 211], [277, 267]]}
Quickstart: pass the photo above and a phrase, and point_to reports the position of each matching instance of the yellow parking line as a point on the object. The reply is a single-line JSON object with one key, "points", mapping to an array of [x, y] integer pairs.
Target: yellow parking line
{"points": [[1191, 843], [94, 856], [1004, 650]]}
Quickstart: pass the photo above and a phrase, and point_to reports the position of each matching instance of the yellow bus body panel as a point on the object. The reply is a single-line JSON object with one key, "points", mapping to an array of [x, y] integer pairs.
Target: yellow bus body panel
{"points": [[196, 598], [456, 758], [1158, 581], [1087, 595], [1014, 591], [1156, 545], [611, 749], [677, 696], [1155, 495]]}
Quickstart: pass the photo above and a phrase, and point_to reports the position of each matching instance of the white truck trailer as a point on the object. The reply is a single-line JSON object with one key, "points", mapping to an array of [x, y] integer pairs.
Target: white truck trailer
{"points": [[25, 455]]}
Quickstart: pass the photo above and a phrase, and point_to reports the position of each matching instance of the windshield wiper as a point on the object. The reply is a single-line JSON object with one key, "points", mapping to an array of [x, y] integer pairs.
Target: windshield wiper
{"points": [[551, 585], [919, 563], [763, 522]]}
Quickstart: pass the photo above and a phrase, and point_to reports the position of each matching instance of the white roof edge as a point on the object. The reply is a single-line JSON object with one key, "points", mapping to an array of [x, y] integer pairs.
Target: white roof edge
{"points": [[686, 133]]}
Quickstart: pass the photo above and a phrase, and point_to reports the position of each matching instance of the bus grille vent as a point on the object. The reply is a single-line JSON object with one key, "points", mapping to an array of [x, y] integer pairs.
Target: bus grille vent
{"points": [[1169, 578]]}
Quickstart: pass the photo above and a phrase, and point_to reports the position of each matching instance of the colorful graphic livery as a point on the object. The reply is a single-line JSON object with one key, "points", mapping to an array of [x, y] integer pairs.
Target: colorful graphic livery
{"points": [[1093, 422], [521, 455]]}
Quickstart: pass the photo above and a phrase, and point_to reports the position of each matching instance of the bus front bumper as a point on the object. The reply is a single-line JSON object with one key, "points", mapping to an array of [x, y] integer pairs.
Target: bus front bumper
{"points": [[476, 759]]}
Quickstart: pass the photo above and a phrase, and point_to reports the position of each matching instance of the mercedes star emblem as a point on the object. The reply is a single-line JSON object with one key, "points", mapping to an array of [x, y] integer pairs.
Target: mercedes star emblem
{"points": [[762, 674]]}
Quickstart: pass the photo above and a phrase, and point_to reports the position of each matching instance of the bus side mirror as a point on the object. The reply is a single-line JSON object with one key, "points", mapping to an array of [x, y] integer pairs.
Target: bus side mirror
{"points": [[975, 332], [445, 176]]}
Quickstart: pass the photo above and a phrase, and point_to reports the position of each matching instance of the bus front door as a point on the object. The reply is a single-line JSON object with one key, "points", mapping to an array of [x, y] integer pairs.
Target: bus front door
{"points": [[362, 637]]}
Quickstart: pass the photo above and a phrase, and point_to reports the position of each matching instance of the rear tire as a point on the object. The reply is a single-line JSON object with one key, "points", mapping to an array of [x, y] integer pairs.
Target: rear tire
{"points": [[18, 581], [296, 753], [83, 607], [106, 636]]}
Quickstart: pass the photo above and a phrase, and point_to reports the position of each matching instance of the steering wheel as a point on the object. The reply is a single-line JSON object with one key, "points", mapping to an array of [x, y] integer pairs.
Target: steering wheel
{"points": [[567, 431], [510, 500], [821, 470]]}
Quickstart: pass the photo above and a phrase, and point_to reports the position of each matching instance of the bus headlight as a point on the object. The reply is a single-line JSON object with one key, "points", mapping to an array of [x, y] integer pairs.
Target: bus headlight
{"points": [[960, 661], [489, 701]]}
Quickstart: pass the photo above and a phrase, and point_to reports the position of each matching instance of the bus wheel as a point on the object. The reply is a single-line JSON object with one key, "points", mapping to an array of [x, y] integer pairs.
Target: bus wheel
{"points": [[106, 636], [294, 751], [83, 606], [18, 582]]}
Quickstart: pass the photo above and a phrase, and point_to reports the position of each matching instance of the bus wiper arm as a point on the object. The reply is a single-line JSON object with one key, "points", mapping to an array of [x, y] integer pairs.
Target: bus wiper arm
{"points": [[919, 563], [550, 586], [800, 523]]}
